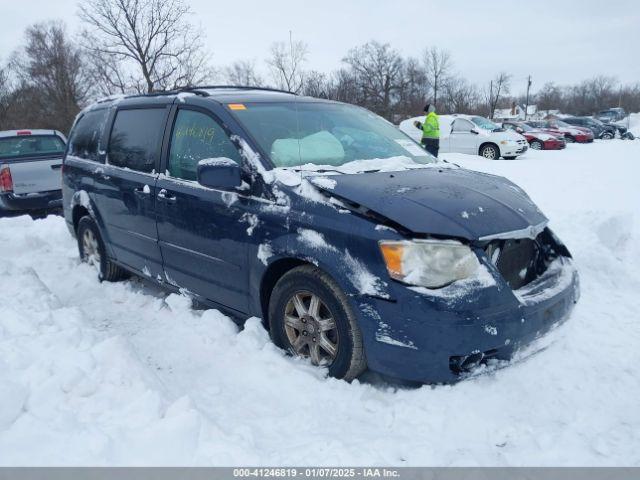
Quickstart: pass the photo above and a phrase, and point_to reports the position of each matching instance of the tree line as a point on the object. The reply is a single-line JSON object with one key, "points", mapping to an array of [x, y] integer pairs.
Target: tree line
{"points": [[141, 46]]}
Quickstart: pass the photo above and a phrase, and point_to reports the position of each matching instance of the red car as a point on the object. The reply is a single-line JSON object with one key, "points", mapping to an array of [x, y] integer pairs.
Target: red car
{"points": [[538, 139], [571, 133]]}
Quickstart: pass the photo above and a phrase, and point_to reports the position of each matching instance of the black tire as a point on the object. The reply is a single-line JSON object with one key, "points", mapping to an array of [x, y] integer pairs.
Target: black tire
{"points": [[509, 158], [607, 136], [490, 152], [570, 139], [536, 145], [107, 270], [349, 361]]}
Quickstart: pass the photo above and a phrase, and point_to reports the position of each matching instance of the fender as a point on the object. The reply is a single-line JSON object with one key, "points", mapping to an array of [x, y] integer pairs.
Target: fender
{"points": [[83, 199], [345, 264]]}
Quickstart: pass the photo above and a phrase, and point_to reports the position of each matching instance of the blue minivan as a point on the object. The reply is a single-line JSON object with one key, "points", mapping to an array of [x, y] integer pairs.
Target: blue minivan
{"points": [[357, 248]]}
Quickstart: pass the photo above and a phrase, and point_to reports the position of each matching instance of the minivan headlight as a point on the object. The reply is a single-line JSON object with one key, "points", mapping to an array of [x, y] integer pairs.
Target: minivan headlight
{"points": [[429, 263]]}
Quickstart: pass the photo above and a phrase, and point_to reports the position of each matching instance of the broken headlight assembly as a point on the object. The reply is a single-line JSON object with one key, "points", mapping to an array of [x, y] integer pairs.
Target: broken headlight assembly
{"points": [[429, 263]]}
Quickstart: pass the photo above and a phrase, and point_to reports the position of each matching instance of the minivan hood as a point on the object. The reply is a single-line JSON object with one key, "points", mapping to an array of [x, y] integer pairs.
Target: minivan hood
{"points": [[444, 202]]}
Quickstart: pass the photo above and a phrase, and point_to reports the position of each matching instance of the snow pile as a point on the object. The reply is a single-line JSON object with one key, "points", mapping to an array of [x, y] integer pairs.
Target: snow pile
{"points": [[121, 374], [634, 124]]}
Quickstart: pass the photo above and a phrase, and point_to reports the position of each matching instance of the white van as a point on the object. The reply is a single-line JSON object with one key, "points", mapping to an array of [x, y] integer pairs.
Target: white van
{"points": [[473, 135]]}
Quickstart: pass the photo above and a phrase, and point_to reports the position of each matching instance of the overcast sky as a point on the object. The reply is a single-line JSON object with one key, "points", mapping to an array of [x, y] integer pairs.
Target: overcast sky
{"points": [[564, 41]]}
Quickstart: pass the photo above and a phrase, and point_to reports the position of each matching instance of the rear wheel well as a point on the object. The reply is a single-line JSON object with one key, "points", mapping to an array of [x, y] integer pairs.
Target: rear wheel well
{"points": [[78, 212], [274, 272]]}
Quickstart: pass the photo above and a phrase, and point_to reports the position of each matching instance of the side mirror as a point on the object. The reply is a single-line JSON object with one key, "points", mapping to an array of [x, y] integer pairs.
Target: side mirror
{"points": [[222, 173], [474, 131]]}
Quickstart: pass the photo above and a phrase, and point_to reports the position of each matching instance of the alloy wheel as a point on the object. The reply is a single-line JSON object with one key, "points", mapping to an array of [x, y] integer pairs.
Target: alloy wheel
{"points": [[535, 145], [311, 328], [90, 248], [489, 153]]}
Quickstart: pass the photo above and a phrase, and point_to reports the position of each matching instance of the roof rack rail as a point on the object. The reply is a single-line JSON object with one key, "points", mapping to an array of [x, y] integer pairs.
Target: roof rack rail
{"points": [[198, 89], [157, 93]]}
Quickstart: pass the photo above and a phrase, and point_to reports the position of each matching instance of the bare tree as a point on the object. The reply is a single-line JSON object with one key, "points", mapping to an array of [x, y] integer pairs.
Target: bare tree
{"points": [[316, 84], [143, 45], [460, 96], [414, 88], [500, 85], [243, 72], [343, 86], [437, 64], [286, 62], [378, 71], [5, 92], [50, 71]]}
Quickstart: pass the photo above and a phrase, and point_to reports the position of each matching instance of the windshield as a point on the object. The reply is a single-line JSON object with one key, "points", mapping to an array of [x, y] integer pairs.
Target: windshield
{"points": [[31, 146], [525, 127], [485, 123], [560, 123], [319, 133]]}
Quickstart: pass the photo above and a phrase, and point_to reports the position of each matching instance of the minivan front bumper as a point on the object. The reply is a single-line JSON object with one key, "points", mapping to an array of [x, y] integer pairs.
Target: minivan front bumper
{"points": [[418, 338]]}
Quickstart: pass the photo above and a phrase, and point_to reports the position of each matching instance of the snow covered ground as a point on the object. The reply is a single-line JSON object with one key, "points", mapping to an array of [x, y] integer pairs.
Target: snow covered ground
{"points": [[123, 374]]}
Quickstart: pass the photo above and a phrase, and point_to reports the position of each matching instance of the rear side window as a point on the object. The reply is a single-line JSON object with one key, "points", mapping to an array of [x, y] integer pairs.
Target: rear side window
{"points": [[31, 146], [196, 137], [85, 138], [135, 138]]}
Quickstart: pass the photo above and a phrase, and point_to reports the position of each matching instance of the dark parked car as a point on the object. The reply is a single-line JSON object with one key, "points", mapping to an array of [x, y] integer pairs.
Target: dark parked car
{"points": [[611, 115], [599, 129], [355, 246], [30, 162]]}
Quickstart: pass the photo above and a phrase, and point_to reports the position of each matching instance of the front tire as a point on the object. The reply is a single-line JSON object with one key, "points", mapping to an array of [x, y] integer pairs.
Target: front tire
{"points": [[607, 136], [570, 139], [310, 316], [536, 145], [490, 152], [92, 251]]}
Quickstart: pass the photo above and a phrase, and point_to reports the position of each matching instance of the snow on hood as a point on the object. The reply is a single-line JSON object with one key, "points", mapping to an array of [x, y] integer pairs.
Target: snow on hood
{"points": [[443, 202], [293, 176]]}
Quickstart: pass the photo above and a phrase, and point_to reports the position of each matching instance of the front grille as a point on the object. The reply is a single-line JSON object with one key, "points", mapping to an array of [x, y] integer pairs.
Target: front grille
{"points": [[520, 261], [515, 261]]}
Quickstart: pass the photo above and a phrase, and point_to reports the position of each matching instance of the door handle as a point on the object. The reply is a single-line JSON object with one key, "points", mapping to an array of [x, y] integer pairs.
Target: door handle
{"points": [[165, 196], [142, 192], [56, 167]]}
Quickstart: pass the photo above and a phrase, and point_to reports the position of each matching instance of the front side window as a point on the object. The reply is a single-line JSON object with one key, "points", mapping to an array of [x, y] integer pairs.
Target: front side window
{"points": [[135, 138], [196, 136], [30, 146], [323, 133], [461, 125], [85, 138]]}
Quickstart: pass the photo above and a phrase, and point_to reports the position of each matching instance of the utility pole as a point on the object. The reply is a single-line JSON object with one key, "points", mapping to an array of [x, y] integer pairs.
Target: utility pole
{"points": [[526, 107], [491, 99]]}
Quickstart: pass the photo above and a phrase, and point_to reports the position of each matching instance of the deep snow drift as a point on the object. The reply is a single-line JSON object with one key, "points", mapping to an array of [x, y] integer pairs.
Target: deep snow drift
{"points": [[121, 373]]}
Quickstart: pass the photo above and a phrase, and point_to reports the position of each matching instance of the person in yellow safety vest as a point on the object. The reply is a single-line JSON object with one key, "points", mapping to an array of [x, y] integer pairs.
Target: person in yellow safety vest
{"points": [[430, 130]]}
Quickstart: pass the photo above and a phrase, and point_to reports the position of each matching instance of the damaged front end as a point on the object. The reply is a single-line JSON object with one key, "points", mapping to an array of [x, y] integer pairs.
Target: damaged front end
{"points": [[454, 329]]}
